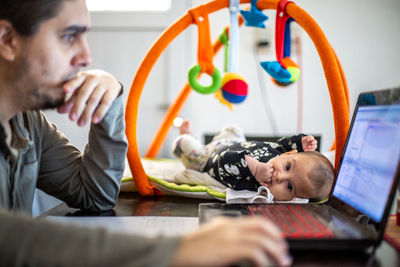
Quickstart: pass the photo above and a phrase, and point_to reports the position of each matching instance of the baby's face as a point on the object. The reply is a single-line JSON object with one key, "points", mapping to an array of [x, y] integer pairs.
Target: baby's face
{"points": [[290, 177]]}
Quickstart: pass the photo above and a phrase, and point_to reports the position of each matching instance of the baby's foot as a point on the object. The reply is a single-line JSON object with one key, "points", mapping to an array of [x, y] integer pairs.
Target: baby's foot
{"points": [[185, 127]]}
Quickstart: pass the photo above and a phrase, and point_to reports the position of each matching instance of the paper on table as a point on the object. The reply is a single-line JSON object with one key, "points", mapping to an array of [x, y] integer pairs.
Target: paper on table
{"points": [[150, 226]]}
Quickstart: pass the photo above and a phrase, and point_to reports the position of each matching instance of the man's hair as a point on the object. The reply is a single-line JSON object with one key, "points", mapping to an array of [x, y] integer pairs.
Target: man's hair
{"points": [[27, 15], [321, 175]]}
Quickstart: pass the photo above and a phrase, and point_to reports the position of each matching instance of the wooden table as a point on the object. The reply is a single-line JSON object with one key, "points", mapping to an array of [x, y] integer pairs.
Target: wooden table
{"points": [[131, 204]]}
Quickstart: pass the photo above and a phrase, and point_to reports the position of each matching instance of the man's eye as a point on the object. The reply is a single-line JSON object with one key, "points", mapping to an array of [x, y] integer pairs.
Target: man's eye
{"points": [[287, 166], [69, 37], [290, 187]]}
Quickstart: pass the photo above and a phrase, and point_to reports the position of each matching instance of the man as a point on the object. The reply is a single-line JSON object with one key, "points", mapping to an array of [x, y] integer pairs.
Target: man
{"points": [[42, 47]]}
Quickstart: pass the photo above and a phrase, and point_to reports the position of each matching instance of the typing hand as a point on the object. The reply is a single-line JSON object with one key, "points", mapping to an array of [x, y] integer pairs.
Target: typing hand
{"points": [[92, 93], [309, 143], [228, 241]]}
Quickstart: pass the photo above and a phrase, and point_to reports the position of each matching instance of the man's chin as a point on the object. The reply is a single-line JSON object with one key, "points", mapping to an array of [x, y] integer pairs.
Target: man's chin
{"points": [[51, 102]]}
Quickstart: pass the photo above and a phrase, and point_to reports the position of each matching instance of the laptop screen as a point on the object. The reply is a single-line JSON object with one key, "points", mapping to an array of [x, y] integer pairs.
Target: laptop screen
{"points": [[370, 160]]}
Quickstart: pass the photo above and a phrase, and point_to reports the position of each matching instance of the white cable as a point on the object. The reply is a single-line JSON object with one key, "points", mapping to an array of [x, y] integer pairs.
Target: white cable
{"points": [[233, 61]]}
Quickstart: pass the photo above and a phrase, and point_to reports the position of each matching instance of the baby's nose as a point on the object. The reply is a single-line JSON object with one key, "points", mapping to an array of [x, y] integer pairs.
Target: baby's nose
{"points": [[279, 177], [276, 176]]}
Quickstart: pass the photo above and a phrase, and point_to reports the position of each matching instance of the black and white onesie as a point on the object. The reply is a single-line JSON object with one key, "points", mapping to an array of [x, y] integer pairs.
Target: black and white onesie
{"points": [[224, 157], [228, 164]]}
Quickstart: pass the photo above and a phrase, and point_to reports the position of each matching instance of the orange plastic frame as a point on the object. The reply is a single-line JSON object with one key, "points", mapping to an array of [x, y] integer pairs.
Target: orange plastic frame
{"points": [[333, 73]]}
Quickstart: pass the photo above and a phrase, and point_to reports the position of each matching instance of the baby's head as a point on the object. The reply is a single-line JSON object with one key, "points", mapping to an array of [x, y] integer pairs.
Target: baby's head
{"points": [[301, 175]]}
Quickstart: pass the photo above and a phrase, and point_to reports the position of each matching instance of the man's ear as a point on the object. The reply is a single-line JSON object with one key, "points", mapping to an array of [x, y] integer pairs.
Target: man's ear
{"points": [[8, 40], [294, 151]]}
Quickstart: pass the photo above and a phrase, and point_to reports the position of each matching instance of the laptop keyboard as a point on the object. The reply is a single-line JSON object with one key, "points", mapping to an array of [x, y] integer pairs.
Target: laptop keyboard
{"points": [[294, 220]]}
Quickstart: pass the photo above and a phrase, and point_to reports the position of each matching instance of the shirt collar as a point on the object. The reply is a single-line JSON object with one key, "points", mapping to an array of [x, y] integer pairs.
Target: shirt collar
{"points": [[20, 140], [21, 137]]}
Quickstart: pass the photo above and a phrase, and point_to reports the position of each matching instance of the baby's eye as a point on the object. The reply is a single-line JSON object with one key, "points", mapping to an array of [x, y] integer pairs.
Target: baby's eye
{"points": [[290, 186], [287, 166]]}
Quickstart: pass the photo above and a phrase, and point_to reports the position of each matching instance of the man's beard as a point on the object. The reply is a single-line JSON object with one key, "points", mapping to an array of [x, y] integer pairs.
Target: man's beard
{"points": [[35, 98], [47, 101]]}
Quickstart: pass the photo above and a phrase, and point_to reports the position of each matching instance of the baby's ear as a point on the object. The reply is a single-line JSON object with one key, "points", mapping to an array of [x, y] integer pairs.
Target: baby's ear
{"points": [[294, 151]]}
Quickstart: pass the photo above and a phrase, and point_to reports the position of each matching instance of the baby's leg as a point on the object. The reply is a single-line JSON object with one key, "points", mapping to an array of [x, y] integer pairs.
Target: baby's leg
{"points": [[229, 135], [232, 133], [189, 151]]}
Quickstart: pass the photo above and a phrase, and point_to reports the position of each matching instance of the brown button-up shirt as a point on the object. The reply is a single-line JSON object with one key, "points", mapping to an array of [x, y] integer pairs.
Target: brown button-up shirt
{"points": [[41, 156]]}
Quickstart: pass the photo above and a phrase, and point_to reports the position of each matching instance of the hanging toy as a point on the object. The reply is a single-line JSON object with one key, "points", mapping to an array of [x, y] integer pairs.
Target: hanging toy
{"points": [[224, 40], [254, 17], [205, 56], [234, 87], [293, 69], [283, 71]]}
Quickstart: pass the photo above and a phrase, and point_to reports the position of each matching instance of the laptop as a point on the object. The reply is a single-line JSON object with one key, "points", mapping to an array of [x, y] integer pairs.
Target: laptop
{"points": [[360, 200]]}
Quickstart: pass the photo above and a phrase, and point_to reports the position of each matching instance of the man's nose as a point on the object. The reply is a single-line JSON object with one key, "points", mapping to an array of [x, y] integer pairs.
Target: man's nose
{"points": [[82, 57]]}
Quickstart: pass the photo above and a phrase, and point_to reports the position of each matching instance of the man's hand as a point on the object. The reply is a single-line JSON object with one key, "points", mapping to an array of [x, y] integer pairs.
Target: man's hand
{"points": [[224, 242], [92, 93], [309, 143]]}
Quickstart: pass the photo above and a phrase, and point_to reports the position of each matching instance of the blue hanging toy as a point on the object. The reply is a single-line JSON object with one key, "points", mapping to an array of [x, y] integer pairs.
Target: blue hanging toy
{"points": [[254, 17], [283, 71]]}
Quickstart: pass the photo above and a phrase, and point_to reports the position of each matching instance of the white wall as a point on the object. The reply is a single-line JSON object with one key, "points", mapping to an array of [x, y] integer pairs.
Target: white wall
{"points": [[365, 36], [118, 43], [364, 33]]}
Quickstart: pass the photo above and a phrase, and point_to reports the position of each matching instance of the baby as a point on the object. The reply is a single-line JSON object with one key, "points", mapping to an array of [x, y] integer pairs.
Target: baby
{"points": [[246, 165]]}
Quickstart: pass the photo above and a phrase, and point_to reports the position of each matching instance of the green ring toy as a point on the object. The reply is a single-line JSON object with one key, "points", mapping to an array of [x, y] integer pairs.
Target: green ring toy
{"points": [[215, 85]]}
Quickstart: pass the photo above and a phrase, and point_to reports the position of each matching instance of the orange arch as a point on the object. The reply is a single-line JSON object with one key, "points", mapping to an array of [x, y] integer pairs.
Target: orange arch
{"points": [[333, 73]]}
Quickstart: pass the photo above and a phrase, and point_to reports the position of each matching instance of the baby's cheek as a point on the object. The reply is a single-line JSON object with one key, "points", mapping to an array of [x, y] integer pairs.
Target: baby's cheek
{"points": [[273, 190], [279, 193]]}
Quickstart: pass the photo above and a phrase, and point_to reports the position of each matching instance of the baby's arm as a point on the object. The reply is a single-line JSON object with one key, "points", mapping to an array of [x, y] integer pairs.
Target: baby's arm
{"points": [[286, 144], [309, 143], [260, 170]]}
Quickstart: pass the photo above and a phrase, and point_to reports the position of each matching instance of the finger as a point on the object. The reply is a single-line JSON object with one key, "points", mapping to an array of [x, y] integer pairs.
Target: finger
{"points": [[262, 226], [263, 251], [270, 170], [68, 104], [91, 105], [83, 95], [73, 84], [267, 236], [262, 241], [232, 246], [103, 107], [252, 256]]}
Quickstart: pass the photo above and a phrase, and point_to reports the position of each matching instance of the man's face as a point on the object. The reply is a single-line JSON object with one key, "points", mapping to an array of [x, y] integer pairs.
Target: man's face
{"points": [[53, 55], [290, 177]]}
